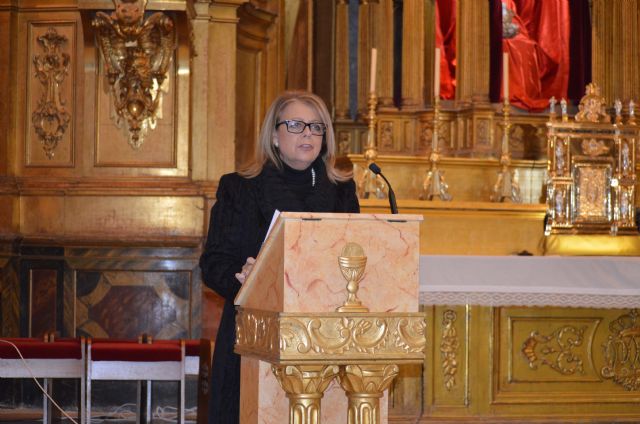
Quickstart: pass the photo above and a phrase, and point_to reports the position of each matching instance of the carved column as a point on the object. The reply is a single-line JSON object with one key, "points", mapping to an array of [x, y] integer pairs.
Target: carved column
{"points": [[364, 385], [223, 20], [342, 59], [615, 49], [199, 98], [413, 52], [367, 35], [472, 49], [304, 386], [385, 30]]}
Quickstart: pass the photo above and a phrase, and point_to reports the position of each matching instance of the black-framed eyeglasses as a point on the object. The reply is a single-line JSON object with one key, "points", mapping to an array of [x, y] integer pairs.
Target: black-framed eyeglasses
{"points": [[296, 127]]}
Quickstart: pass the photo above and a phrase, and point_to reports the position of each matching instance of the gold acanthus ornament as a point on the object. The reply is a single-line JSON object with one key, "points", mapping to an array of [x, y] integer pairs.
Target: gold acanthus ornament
{"points": [[136, 54], [449, 345], [51, 119]]}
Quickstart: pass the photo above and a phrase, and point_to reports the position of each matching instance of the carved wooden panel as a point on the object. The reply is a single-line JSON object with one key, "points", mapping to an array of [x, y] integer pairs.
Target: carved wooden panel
{"points": [[51, 85], [450, 360], [160, 145], [560, 355]]}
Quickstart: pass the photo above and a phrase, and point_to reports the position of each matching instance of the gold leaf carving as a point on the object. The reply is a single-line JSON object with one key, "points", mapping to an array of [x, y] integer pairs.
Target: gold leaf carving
{"points": [[449, 348], [622, 352], [50, 118], [592, 195], [137, 54], [555, 350], [304, 385], [367, 378], [592, 106], [592, 147], [323, 335]]}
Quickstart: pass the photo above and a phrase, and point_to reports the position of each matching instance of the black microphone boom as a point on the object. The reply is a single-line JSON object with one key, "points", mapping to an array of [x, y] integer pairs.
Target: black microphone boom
{"points": [[392, 196]]}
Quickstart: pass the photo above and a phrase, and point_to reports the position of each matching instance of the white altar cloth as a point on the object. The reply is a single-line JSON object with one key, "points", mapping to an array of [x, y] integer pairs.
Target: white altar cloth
{"points": [[574, 281]]}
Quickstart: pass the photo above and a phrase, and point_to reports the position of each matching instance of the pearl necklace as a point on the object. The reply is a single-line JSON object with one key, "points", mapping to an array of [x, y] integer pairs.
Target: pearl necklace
{"points": [[313, 177]]}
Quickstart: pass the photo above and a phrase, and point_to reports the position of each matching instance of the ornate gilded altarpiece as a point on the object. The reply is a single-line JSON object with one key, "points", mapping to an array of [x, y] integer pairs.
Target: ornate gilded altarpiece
{"points": [[592, 169]]}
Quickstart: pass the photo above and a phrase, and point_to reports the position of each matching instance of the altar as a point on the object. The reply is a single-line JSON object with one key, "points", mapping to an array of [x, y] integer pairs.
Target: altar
{"points": [[526, 339], [561, 281]]}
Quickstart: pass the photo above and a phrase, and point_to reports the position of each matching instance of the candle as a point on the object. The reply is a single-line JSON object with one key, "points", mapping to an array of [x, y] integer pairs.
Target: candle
{"points": [[505, 75], [374, 59], [436, 74]]}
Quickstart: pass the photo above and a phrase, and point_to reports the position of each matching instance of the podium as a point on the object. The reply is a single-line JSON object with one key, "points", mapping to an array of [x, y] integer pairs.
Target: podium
{"points": [[326, 316]]}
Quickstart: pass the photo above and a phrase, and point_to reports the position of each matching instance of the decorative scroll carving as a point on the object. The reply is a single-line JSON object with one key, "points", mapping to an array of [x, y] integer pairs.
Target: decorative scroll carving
{"points": [[50, 118], [555, 350], [449, 348], [293, 337], [137, 54], [622, 352]]}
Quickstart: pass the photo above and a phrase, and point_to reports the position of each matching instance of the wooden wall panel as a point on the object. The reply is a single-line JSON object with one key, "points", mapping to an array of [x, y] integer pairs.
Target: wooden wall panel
{"points": [[43, 305], [125, 304], [159, 147]]}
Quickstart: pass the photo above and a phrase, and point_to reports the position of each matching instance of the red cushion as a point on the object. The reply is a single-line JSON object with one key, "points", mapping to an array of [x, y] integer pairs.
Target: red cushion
{"points": [[108, 340], [105, 351], [42, 350], [191, 346]]}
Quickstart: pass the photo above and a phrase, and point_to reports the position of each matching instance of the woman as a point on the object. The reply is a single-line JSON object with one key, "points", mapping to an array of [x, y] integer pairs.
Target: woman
{"points": [[293, 170]]}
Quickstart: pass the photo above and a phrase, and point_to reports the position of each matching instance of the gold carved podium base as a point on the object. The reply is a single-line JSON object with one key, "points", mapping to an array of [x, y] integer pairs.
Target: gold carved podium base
{"points": [[314, 350]]}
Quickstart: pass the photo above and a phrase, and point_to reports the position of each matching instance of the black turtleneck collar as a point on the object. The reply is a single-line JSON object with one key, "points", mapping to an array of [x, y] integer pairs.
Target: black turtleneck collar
{"points": [[297, 177], [291, 190]]}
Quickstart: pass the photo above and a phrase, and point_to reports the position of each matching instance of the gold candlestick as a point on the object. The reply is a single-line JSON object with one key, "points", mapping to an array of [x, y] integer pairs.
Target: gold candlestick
{"points": [[370, 185], [507, 187], [434, 187]]}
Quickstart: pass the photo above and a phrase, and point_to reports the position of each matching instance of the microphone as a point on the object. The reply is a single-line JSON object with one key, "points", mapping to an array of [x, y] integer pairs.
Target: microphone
{"points": [[392, 197]]}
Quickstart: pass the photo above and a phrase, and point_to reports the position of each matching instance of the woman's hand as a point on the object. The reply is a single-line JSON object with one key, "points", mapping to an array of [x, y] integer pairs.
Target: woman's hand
{"points": [[246, 269]]}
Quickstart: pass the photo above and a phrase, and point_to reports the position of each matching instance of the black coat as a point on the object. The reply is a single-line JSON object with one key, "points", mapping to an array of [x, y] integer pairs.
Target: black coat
{"points": [[239, 222]]}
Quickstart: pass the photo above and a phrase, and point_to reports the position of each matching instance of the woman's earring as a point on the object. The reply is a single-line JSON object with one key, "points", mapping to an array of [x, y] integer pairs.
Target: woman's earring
{"points": [[275, 143]]}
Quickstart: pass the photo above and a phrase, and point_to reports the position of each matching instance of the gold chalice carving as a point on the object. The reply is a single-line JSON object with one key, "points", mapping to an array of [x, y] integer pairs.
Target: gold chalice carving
{"points": [[352, 263]]}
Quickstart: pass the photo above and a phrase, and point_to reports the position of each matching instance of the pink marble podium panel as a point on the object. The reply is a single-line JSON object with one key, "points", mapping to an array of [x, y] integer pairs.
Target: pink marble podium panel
{"points": [[313, 281]]}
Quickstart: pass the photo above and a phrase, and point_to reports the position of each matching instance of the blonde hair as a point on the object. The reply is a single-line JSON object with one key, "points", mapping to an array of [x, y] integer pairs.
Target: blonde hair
{"points": [[265, 151]]}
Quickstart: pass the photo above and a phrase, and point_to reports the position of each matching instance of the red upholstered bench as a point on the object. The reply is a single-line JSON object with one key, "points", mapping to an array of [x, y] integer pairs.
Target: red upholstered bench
{"points": [[63, 359], [119, 360], [192, 352]]}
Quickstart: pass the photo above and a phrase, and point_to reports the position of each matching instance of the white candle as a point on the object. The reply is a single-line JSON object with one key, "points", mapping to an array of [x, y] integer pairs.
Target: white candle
{"points": [[505, 75], [374, 60], [436, 74]]}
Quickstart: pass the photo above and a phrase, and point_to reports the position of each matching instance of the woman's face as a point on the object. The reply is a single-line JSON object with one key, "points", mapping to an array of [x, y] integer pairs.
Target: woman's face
{"points": [[298, 150]]}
